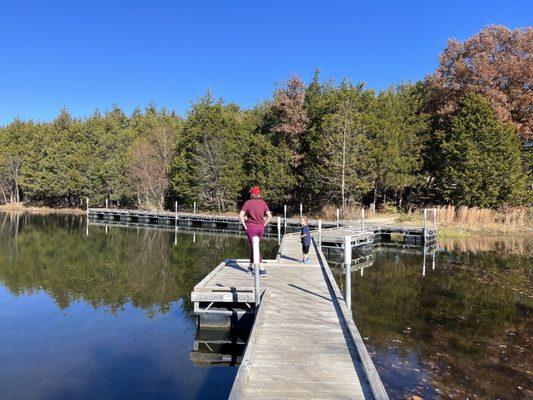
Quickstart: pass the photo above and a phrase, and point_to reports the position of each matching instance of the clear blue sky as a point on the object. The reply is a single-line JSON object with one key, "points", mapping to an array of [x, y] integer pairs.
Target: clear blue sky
{"points": [[92, 54]]}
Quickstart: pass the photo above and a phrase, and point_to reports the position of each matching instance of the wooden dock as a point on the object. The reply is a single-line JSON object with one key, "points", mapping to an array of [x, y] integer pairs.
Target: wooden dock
{"points": [[304, 342], [333, 235]]}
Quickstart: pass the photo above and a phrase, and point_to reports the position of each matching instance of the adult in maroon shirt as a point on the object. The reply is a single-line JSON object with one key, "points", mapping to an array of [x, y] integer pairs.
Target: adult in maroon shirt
{"points": [[255, 210]]}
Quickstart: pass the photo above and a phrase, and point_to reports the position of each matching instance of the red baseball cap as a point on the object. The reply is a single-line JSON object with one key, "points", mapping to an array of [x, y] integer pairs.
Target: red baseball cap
{"points": [[255, 190]]}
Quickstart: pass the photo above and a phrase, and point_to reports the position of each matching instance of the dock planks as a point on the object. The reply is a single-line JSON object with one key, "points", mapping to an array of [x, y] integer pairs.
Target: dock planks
{"points": [[301, 345]]}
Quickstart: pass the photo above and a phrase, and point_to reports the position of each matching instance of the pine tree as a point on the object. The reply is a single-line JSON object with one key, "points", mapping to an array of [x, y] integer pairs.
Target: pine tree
{"points": [[481, 164], [209, 167]]}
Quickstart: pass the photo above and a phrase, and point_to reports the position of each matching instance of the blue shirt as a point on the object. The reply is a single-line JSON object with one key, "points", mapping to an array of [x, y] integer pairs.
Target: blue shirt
{"points": [[306, 241]]}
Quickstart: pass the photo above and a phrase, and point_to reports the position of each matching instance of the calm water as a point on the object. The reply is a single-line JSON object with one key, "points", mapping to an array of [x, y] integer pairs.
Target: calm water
{"points": [[107, 316], [460, 328], [104, 316]]}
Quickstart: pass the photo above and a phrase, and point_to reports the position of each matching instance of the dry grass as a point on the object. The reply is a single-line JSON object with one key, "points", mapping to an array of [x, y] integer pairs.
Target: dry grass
{"points": [[329, 212], [350, 213], [454, 220], [475, 219], [22, 207], [508, 220]]}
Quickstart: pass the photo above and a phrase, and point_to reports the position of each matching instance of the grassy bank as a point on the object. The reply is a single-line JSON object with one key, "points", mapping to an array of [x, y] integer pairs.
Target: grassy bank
{"points": [[21, 207]]}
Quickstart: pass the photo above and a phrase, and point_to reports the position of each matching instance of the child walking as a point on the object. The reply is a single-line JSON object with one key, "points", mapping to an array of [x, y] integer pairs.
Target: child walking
{"points": [[305, 235]]}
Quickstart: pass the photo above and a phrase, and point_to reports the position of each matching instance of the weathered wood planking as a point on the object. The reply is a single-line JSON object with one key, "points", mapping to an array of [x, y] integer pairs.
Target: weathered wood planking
{"points": [[301, 345]]}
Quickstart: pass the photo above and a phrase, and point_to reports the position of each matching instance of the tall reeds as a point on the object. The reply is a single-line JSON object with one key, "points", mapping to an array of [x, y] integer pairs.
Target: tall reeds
{"points": [[471, 219], [505, 219]]}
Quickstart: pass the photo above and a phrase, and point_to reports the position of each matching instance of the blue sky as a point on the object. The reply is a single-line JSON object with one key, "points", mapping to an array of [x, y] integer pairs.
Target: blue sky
{"points": [[85, 55]]}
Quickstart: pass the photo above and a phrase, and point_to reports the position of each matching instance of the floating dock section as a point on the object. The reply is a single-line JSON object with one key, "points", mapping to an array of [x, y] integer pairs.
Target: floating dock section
{"points": [[333, 235]]}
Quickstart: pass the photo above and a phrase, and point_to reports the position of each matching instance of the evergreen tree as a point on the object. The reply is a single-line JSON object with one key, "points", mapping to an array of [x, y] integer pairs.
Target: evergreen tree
{"points": [[395, 128], [481, 164], [337, 159], [209, 168], [265, 164]]}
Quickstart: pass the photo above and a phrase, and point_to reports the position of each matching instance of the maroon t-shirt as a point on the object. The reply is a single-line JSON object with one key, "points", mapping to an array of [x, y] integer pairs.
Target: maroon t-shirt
{"points": [[255, 210]]}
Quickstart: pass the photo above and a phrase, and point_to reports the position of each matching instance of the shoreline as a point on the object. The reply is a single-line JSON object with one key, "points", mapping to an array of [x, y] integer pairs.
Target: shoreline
{"points": [[21, 208], [445, 231]]}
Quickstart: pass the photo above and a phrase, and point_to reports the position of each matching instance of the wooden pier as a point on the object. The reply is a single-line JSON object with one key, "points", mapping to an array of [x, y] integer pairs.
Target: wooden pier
{"points": [[333, 236], [304, 342], [187, 219]]}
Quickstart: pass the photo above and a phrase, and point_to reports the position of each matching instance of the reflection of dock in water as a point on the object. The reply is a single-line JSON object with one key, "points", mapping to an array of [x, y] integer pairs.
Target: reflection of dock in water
{"points": [[218, 347], [364, 257]]}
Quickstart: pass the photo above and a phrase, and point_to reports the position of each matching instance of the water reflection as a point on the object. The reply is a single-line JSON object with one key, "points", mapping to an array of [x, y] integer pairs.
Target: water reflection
{"points": [[104, 315], [448, 324], [219, 347]]}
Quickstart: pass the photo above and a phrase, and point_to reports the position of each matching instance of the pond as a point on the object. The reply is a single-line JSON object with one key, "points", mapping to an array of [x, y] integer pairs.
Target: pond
{"points": [[459, 327], [107, 315]]}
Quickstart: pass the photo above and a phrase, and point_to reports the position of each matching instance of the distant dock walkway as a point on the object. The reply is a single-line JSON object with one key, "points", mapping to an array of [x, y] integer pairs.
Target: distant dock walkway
{"points": [[333, 232]]}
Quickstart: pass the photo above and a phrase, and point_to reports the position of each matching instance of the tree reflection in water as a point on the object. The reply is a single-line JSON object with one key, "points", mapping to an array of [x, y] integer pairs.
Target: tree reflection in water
{"points": [[462, 330], [105, 315], [148, 268]]}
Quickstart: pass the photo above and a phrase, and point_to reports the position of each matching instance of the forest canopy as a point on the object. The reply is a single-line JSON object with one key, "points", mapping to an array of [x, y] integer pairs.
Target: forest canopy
{"points": [[461, 136]]}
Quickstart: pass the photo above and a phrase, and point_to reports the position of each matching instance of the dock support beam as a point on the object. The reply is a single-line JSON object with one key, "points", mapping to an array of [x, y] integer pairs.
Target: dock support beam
{"points": [[194, 208], [175, 213], [255, 243], [285, 216], [106, 203], [279, 231], [87, 219], [301, 210], [320, 232], [338, 218], [348, 271], [425, 222]]}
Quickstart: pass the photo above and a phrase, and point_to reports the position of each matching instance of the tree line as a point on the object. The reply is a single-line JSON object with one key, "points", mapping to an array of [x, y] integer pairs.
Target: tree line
{"points": [[461, 136]]}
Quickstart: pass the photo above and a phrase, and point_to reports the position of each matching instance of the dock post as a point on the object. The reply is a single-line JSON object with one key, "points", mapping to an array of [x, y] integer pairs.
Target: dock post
{"points": [[301, 210], [348, 271], [176, 213], [279, 231], [285, 217], [255, 246], [424, 262], [320, 232], [362, 219], [87, 219], [106, 203], [338, 218], [194, 208], [425, 222]]}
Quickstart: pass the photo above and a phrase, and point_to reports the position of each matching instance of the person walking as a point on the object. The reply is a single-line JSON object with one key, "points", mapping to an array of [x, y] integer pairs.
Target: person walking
{"points": [[255, 209]]}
